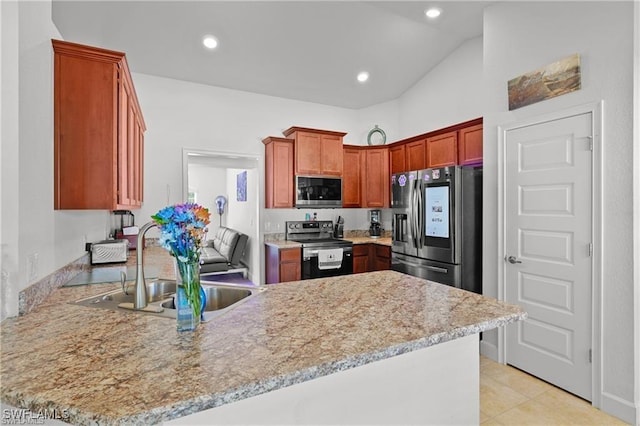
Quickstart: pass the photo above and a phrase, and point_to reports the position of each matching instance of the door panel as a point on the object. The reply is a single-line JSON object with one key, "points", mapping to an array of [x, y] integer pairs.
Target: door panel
{"points": [[548, 235]]}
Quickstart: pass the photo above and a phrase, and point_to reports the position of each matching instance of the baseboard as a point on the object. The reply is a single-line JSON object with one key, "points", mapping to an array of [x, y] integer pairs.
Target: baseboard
{"points": [[489, 350], [620, 408]]}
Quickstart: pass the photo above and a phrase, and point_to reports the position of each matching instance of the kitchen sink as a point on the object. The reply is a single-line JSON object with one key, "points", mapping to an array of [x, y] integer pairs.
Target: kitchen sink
{"points": [[217, 298], [160, 298]]}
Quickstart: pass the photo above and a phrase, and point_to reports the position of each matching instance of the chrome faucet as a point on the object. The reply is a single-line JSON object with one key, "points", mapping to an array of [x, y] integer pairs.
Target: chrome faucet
{"points": [[140, 300]]}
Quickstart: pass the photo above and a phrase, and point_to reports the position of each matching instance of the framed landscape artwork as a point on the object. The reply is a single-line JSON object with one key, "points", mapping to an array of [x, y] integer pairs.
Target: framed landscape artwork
{"points": [[556, 79]]}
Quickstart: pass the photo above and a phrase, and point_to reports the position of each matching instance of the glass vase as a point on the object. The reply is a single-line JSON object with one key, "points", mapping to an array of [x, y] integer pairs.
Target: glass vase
{"points": [[189, 299]]}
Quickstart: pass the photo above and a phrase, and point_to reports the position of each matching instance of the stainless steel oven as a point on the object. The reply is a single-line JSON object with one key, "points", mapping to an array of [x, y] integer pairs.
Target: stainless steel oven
{"points": [[322, 255]]}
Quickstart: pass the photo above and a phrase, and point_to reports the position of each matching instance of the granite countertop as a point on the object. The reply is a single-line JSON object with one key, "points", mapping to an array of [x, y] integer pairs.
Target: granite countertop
{"points": [[100, 366]]}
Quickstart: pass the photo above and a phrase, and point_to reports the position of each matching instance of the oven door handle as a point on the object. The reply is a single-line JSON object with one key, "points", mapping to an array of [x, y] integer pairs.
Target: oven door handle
{"points": [[308, 254]]}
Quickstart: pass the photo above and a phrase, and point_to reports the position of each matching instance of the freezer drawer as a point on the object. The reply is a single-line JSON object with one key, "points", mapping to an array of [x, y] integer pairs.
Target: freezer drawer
{"points": [[439, 272]]}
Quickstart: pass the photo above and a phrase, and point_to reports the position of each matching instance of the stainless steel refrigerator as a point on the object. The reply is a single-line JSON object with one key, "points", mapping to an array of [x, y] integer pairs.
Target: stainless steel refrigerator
{"points": [[437, 225]]}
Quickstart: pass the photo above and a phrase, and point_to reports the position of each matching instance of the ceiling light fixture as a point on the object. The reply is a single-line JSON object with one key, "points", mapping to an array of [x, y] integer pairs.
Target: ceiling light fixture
{"points": [[210, 42], [433, 12], [363, 76]]}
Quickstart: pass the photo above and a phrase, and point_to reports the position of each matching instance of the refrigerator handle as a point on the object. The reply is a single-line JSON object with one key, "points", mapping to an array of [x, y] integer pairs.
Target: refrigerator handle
{"points": [[420, 215], [400, 224], [410, 213], [414, 215]]}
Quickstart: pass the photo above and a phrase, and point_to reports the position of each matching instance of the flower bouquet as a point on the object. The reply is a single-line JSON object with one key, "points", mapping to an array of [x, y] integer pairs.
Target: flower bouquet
{"points": [[182, 229]]}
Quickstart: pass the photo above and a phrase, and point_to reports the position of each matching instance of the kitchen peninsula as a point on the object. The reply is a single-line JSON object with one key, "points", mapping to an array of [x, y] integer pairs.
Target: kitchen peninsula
{"points": [[376, 330]]}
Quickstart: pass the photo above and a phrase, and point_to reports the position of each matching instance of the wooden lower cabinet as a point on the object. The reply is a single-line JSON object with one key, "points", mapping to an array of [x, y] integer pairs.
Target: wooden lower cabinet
{"points": [[283, 264], [360, 258], [382, 257], [371, 257]]}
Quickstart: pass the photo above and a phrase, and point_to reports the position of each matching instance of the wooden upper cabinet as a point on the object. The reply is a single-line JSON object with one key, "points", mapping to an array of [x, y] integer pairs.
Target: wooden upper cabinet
{"points": [[317, 152], [416, 155], [98, 130], [397, 158], [279, 191], [352, 177], [442, 150], [470, 145], [331, 155], [376, 178]]}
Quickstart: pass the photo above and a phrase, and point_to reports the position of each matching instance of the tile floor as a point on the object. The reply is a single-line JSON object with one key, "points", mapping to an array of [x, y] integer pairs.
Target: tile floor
{"points": [[509, 396]]}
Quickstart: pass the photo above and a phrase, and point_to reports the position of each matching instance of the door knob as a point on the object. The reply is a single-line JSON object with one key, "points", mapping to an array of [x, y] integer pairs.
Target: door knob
{"points": [[513, 260]]}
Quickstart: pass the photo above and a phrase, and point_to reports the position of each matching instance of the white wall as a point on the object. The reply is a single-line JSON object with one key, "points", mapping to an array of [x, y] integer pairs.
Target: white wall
{"points": [[523, 36], [636, 203], [243, 217], [36, 239], [451, 93], [181, 114], [209, 182], [9, 125]]}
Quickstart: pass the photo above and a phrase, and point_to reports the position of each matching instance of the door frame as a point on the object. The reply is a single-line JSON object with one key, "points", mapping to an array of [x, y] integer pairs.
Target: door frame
{"points": [[596, 111], [257, 264]]}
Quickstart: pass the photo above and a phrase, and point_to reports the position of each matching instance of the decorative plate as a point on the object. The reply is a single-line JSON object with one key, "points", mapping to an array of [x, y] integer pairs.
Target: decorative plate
{"points": [[376, 136]]}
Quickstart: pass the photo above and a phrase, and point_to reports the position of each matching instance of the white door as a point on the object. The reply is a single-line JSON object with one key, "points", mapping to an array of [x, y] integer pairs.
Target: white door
{"points": [[548, 249]]}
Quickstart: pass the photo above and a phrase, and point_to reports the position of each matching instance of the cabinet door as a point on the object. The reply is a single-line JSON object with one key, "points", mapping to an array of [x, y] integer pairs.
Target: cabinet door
{"points": [[382, 258], [282, 174], [290, 267], [397, 155], [331, 155], [307, 150], [130, 142], [470, 145], [85, 132], [125, 145], [98, 130], [416, 155], [290, 271], [377, 181], [352, 178], [361, 258], [278, 159], [282, 264], [442, 150]]}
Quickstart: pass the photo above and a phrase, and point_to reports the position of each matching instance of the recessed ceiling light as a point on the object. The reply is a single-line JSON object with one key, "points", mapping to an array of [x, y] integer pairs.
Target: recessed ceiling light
{"points": [[363, 76], [433, 12], [210, 42]]}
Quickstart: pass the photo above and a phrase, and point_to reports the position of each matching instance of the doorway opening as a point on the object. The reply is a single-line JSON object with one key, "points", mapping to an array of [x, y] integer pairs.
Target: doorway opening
{"points": [[229, 186]]}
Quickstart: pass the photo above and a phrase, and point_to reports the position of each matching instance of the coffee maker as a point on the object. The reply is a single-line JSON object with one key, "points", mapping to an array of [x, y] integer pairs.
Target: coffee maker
{"points": [[375, 230]]}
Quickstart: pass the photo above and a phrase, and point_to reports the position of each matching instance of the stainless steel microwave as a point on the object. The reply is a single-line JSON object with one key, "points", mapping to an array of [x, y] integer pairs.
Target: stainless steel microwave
{"points": [[315, 191]]}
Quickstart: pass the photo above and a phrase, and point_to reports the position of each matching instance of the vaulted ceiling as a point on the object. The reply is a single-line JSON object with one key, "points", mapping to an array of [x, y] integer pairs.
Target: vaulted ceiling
{"points": [[304, 50]]}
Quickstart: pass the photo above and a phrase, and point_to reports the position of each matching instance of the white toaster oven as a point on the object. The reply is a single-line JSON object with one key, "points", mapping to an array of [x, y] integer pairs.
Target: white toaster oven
{"points": [[109, 251]]}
